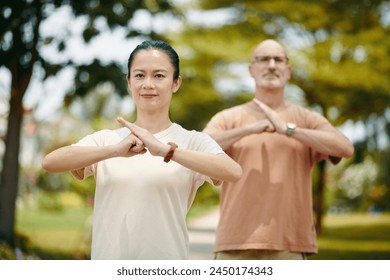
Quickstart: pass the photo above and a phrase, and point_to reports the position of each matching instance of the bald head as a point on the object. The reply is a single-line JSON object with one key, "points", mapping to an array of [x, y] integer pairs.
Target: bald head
{"points": [[269, 47]]}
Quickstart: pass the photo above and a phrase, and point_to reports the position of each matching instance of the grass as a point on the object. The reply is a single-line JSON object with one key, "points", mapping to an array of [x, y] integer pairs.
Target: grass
{"points": [[60, 233], [355, 237], [65, 235]]}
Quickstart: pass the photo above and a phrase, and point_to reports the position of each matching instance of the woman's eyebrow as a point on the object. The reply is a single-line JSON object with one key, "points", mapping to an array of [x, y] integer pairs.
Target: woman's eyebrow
{"points": [[156, 70]]}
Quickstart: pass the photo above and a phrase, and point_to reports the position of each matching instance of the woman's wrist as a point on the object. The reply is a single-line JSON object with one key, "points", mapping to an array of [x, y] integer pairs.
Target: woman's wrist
{"points": [[172, 148], [111, 151], [164, 150]]}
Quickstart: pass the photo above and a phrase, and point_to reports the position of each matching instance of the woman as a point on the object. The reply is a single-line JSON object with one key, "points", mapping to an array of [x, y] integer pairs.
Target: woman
{"points": [[147, 172]]}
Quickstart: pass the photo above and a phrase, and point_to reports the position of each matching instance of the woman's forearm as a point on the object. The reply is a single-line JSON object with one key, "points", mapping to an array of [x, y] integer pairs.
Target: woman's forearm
{"points": [[217, 167], [73, 157]]}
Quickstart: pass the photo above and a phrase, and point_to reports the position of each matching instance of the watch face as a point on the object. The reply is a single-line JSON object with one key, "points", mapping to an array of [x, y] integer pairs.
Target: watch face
{"points": [[291, 125], [290, 128]]}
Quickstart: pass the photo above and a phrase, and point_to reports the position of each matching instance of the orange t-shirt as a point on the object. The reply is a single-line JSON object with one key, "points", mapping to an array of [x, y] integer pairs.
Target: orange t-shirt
{"points": [[270, 207]]}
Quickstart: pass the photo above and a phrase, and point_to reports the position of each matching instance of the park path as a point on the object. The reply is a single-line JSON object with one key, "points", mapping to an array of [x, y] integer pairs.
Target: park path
{"points": [[201, 231]]}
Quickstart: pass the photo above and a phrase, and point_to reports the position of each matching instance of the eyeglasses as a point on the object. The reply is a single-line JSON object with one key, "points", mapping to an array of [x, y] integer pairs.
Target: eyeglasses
{"points": [[265, 60]]}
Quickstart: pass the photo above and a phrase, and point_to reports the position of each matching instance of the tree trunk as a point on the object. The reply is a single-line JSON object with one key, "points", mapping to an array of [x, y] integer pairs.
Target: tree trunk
{"points": [[319, 195], [10, 172], [21, 77]]}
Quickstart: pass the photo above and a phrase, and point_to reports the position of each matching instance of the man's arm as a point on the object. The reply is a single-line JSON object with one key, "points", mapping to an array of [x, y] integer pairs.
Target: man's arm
{"points": [[227, 138], [332, 143], [327, 141]]}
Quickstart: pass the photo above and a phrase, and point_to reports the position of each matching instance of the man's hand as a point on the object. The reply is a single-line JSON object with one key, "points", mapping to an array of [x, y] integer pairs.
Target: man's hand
{"points": [[260, 126], [277, 122]]}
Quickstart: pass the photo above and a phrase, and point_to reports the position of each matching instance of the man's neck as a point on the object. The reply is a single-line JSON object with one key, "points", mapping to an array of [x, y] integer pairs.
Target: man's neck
{"points": [[272, 98]]}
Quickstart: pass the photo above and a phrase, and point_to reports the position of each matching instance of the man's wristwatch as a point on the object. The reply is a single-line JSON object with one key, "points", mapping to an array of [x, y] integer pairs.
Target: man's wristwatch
{"points": [[290, 129]]}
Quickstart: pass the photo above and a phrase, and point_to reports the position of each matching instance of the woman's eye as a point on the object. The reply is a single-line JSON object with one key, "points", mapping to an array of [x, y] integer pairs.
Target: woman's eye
{"points": [[138, 75], [159, 76]]}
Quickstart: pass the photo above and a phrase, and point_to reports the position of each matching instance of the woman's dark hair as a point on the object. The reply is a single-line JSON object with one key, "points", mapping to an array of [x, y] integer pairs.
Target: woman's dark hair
{"points": [[157, 45]]}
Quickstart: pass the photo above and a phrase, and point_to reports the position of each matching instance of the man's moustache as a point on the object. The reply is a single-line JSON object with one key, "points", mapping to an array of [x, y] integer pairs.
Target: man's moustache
{"points": [[271, 74]]}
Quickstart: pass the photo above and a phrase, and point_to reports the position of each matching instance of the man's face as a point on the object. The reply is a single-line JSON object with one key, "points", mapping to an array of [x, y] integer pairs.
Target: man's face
{"points": [[269, 66]]}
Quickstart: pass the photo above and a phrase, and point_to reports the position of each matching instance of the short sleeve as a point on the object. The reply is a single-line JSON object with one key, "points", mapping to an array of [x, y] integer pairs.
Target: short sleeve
{"points": [[216, 124], [202, 142], [316, 121], [93, 140]]}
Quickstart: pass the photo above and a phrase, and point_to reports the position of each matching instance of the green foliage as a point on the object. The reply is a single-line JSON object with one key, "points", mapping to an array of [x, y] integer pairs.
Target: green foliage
{"points": [[333, 46], [353, 187], [381, 194], [207, 197], [56, 235], [57, 200], [62, 235], [22, 51], [49, 201], [54, 183], [6, 252], [354, 237], [70, 200], [23, 249], [339, 52], [84, 189]]}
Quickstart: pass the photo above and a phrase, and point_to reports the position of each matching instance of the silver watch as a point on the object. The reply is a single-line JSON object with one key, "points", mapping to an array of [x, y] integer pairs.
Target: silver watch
{"points": [[290, 129]]}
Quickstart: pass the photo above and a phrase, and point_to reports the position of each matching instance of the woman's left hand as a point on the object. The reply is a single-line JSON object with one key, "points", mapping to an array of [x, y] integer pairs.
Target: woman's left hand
{"points": [[155, 147]]}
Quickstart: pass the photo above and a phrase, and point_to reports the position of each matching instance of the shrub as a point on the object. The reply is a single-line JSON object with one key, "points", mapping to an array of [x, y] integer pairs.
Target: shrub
{"points": [[6, 252]]}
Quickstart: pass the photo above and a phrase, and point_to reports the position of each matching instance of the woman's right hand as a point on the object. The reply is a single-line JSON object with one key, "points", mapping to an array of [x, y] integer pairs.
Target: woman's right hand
{"points": [[154, 146], [130, 146]]}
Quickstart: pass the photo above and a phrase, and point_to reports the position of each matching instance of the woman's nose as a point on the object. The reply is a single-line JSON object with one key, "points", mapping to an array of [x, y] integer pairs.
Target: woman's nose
{"points": [[148, 82]]}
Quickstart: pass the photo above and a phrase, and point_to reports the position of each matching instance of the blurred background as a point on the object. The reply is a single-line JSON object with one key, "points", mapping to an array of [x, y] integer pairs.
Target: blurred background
{"points": [[62, 76]]}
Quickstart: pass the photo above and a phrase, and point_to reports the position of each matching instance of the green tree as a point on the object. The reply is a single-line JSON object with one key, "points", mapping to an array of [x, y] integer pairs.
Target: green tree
{"points": [[339, 51], [21, 52]]}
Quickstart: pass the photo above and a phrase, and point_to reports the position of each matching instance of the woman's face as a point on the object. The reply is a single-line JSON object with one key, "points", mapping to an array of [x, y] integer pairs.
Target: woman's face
{"points": [[151, 80]]}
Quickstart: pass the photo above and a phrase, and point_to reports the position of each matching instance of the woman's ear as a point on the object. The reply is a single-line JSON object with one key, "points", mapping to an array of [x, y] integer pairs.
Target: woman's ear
{"points": [[128, 81], [176, 84]]}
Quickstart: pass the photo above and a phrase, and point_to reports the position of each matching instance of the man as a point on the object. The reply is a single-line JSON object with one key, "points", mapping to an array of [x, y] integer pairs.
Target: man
{"points": [[267, 214]]}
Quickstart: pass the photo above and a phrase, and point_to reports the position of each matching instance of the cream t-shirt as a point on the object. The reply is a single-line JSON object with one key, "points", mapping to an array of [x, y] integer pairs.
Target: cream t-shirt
{"points": [[141, 202]]}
